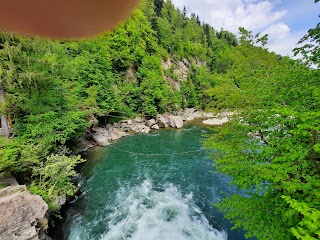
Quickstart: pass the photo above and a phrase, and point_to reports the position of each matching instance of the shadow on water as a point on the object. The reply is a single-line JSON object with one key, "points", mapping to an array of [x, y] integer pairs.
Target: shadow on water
{"points": [[164, 195]]}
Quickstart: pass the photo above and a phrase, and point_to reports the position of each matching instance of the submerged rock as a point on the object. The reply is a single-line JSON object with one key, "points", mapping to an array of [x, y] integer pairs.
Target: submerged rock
{"points": [[20, 214]]}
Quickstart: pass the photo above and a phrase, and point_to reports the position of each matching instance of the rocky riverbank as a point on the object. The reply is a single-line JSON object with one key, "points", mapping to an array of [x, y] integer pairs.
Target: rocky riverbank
{"points": [[103, 135]]}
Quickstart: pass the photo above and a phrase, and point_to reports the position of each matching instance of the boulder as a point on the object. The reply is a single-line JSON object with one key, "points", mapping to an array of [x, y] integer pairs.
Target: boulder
{"points": [[207, 115], [60, 201], [139, 119], [146, 129], [187, 114], [151, 122], [125, 127], [20, 212], [115, 134], [175, 121], [100, 130], [101, 139], [162, 121], [155, 127], [197, 114], [139, 128], [216, 121]]}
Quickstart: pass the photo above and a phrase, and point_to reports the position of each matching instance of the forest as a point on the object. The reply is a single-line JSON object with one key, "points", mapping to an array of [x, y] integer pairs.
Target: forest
{"points": [[49, 90]]}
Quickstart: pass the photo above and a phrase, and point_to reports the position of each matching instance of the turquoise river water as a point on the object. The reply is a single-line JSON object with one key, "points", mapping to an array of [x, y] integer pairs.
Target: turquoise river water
{"points": [[161, 196]]}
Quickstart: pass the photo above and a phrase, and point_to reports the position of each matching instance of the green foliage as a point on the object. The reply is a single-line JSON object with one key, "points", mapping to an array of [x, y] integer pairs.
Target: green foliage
{"points": [[271, 155], [227, 36], [53, 177], [310, 51], [271, 149], [8, 155]]}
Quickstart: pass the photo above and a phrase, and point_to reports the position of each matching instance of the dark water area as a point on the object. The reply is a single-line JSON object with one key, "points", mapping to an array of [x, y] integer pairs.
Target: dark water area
{"points": [[156, 186]]}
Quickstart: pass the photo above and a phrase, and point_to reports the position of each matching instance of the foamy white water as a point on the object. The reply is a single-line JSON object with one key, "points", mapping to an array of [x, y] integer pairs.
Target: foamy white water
{"points": [[143, 213]]}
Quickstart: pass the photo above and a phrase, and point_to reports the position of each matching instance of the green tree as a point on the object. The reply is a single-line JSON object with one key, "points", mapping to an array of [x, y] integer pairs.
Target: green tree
{"points": [[54, 178], [271, 149], [310, 51]]}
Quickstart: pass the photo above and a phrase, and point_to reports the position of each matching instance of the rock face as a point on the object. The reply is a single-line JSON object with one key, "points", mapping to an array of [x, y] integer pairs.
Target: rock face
{"points": [[20, 212]]}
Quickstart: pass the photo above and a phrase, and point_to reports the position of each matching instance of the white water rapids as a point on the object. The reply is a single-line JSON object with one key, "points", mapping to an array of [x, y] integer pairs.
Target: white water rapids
{"points": [[144, 213]]}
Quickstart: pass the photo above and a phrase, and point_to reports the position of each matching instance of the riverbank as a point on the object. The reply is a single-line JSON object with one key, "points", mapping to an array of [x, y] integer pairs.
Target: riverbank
{"points": [[103, 135]]}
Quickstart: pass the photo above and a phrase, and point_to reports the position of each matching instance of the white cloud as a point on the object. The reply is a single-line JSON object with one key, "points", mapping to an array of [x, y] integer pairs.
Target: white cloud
{"points": [[277, 31], [254, 15], [231, 14], [281, 39]]}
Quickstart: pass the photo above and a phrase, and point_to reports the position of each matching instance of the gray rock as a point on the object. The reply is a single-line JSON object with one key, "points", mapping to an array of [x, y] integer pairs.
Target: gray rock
{"points": [[60, 201], [207, 115], [20, 211], [162, 121], [155, 127], [186, 62], [115, 134], [139, 128], [125, 127], [187, 114], [166, 64], [101, 139], [139, 119], [190, 117], [151, 122], [197, 114], [146, 130], [175, 121], [100, 130], [216, 121], [181, 70]]}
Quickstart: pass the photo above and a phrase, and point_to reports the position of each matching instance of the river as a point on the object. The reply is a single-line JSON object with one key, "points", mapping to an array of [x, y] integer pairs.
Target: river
{"points": [[159, 186]]}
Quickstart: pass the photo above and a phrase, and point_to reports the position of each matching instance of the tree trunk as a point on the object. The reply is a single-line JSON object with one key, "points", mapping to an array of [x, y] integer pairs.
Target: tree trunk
{"points": [[4, 120]]}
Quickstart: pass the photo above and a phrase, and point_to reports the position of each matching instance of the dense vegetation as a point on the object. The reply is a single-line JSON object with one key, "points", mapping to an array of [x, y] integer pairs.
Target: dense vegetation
{"points": [[49, 90], [272, 147]]}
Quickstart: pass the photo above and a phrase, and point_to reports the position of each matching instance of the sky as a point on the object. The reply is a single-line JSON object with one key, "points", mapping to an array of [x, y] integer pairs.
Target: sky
{"points": [[286, 21]]}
